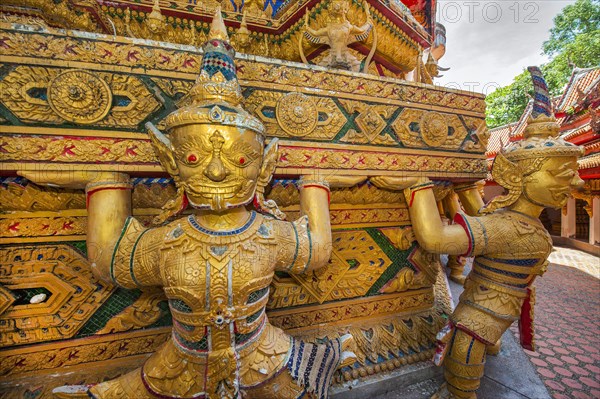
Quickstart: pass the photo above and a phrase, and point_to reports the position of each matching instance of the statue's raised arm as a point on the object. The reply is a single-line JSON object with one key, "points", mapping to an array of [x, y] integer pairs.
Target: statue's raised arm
{"points": [[338, 34]]}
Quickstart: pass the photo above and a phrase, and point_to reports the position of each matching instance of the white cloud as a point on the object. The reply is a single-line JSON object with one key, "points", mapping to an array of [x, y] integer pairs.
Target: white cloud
{"points": [[488, 43]]}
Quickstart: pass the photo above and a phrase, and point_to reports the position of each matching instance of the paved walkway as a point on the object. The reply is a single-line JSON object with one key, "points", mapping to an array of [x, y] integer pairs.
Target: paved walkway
{"points": [[567, 320], [567, 362]]}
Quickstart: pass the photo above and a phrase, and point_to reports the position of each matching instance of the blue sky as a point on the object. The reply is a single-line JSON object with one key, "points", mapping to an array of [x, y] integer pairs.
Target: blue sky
{"points": [[488, 43]]}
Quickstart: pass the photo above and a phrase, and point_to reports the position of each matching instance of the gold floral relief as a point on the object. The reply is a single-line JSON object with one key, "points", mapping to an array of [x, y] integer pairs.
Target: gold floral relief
{"points": [[142, 313], [173, 87], [372, 119], [59, 149], [59, 48], [30, 197], [54, 96], [296, 115], [429, 129], [287, 194], [61, 279]]}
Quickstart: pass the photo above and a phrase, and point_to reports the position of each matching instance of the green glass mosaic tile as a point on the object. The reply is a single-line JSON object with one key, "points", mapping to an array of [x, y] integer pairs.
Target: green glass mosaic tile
{"points": [[350, 124], [165, 318], [399, 259], [80, 246], [118, 301]]}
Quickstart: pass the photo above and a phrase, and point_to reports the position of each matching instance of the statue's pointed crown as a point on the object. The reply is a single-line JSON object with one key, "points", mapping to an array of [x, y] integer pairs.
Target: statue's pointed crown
{"points": [[243, 25], [156, 14], [540, 137], [216, 86]]}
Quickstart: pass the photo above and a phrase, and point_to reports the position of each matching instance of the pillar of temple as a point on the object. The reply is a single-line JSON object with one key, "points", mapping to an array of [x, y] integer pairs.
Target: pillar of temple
{"points": [[595, 221], [568, 219]]}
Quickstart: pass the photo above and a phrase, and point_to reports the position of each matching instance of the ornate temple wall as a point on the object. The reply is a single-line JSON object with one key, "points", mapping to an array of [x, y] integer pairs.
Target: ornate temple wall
{"points": [[72, 101]]}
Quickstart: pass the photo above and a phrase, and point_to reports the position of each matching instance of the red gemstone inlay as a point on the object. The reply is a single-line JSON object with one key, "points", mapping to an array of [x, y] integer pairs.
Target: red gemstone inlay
{"points": [[242, 161], [192, 158]]}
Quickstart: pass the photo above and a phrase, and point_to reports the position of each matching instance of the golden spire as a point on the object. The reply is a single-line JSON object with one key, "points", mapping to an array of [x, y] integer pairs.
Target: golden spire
{"points": [[243, 26], [217, 27], [156, 14]]}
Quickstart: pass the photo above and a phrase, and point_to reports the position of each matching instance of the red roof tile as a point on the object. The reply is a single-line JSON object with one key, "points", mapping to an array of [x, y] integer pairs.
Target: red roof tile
{"points": [[581, 83], [499, 136]]}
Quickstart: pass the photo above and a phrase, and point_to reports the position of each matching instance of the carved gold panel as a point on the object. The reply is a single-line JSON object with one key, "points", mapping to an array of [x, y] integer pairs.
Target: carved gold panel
{"points": [[123, 55], [17, 197], [296, 115], [38, 358], [372, 119], [61, 149], [55, 96], [67, 293], [480, 135], [42, 226], [430, 129], [356, 263], [307, 317], [286, 194]]}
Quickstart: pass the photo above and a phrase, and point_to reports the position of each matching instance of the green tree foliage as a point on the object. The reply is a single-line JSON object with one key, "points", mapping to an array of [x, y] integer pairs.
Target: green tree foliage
{"points": [[506, 104], [574, 40]]}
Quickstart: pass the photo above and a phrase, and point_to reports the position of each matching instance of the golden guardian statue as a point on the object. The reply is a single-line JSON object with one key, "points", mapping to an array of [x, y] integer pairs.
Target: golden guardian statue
{"points": [[338, 35], [509, 243], [216, 264]]}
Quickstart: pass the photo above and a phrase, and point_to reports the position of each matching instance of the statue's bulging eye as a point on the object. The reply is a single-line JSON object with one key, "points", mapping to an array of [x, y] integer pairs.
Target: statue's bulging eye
{"points": [[242, 161], [192, 158]]}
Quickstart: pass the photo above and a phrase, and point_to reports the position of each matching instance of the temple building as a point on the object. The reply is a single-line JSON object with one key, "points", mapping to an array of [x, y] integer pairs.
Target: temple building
{"points": [[577, 110]]}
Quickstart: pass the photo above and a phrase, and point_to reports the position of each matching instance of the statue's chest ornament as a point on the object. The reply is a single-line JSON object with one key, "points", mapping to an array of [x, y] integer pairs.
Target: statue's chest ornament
{"points": [[222, 233]]}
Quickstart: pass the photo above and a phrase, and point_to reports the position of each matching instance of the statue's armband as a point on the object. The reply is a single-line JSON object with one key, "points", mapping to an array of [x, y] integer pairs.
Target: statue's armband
{"points": [[135, 261], [476, 231], [294, 246]]}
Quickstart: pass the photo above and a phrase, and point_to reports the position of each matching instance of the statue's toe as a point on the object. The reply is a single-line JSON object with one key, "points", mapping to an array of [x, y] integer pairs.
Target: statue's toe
{"points": [[347, 342], [443, 393], [348, 358]]}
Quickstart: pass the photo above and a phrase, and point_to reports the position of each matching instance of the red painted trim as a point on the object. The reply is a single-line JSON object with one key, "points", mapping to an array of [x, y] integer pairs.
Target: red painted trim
{"points": [[460, 220], [584, 138], [322, 188], [472, 334], [526, 334], [571, 124], [400, 23], [90, 193], [591, 173]]}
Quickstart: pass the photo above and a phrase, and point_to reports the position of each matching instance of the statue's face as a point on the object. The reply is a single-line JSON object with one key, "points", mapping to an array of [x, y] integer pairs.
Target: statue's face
{"points": [[218, 165], [243, 40], [552, 184], [339, 8]]}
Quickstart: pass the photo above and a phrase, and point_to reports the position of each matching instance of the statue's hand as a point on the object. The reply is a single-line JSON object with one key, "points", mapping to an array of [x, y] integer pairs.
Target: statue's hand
{"points": [[367, 11], [397, 183], [73, 179], [335, 181]]}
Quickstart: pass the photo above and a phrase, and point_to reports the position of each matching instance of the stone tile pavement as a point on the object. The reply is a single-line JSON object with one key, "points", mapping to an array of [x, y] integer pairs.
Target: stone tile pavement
{"points": [[567, 320]]}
